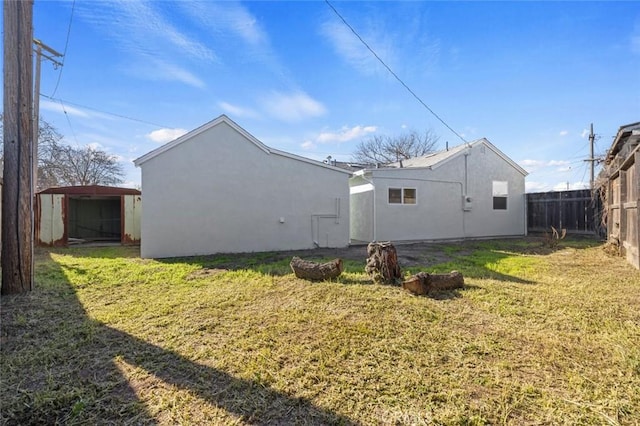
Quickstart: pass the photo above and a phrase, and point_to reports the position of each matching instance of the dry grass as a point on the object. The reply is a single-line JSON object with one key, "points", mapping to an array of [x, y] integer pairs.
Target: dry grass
{"points": [[536, 337]]}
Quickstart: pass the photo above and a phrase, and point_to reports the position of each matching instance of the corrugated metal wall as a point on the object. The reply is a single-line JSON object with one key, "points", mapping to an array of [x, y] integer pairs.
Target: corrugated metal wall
{"points": [[131, 214], [50, 220], [60, 217]]}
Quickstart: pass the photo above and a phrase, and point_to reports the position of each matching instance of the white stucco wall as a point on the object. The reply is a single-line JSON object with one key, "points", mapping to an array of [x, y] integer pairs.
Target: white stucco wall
{"points": [[440, 211], [361, 211], [485, 166], [219, 192]]}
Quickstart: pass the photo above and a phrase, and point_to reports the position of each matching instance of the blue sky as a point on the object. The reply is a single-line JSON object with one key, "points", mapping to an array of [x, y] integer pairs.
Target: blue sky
{"points": [[528, 76]]}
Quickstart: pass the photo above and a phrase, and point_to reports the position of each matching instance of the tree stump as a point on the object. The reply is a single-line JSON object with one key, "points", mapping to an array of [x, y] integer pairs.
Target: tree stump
{"points": [[314, 271], [382, 263], [424, 284]]}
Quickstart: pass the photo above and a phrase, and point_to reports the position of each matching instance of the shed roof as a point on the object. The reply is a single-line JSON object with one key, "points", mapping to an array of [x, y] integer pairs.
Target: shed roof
{"points": [[224, 119], [629, 133], [91, 190], [437, 159]]}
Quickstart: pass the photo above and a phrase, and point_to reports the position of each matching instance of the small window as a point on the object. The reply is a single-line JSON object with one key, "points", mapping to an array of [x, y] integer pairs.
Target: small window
{"points": [[395, 196], [402, 196], [500, 194], [409, 196], [499, 203]]}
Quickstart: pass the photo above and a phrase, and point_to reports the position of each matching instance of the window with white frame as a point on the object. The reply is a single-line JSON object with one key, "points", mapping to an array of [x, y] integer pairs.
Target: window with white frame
{"points": [[403, 196], [500, 194]]}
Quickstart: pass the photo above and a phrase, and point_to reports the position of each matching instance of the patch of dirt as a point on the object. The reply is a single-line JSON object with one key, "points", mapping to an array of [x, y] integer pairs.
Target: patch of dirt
{"points": [[205, 272]]}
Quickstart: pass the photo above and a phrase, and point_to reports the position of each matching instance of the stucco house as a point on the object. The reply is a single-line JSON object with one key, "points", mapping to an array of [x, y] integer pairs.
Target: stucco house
{"points": [[469, 191], [219, 189]]}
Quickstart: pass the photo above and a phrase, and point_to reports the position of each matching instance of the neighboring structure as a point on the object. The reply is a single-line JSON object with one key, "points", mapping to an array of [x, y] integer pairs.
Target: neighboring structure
{"points": [[469, 191], [87, 214], [622, 190], [219, 189]]}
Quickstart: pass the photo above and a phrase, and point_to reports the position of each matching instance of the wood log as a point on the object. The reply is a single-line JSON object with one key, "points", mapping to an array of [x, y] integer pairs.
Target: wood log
{"points": [[424, 284], [382, 263], [314, 271]]}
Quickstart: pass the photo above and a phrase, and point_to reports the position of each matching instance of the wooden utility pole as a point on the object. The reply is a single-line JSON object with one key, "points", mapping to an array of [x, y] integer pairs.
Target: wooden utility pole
{"points": [[592, 160], [17, 196]]}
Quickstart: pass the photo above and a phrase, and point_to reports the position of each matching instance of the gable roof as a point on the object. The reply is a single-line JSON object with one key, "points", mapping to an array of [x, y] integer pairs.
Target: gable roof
{"points": [[437, 159], [224, 119], [629, 133]]}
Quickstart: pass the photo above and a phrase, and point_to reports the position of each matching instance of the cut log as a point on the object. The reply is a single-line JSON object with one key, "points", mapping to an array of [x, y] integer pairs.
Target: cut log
{"points": [[382, 264], [314, 271], [424, 284]]}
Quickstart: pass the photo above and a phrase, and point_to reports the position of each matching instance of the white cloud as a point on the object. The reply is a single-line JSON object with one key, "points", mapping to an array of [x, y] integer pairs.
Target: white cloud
{"points": [[345, 134], [177, 73], [165, 135], [564, 132], [567, 186], [141, 29], [584, 134], [227, 17], [159, 70], [57, 107], [380, 31], [95, 146], [292, 107], [534, 165], [562, 163], [146, 32], [237, 111], [531, 163], [537, 187], [349, 47], [308, 145], [225, 21]]}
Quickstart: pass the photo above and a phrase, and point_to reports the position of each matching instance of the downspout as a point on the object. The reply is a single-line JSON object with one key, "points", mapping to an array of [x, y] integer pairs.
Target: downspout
{"points": [[317, 217], [466, 189], [373, 205], [466, 182]]}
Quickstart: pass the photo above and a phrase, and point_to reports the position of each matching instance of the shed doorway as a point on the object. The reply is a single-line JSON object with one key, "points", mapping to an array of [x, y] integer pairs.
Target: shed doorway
{"points": [[95, 219]]}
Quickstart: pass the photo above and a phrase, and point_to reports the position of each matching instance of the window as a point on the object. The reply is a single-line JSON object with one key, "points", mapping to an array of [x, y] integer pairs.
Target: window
{"points": [[395, 196], [409, 195], [500, 194], [402, 196]]}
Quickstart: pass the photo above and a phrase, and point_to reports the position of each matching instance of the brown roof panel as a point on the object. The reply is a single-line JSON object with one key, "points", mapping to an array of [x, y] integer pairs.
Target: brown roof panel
{"points": [[91, 190]]}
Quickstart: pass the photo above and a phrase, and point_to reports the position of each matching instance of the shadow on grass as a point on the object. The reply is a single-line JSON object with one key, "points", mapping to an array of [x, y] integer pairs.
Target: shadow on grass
{"points": [[59, 366]]}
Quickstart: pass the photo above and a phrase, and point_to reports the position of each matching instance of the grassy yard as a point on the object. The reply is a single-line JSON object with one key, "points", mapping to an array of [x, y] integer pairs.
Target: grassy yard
{"points": [[536, 337]]}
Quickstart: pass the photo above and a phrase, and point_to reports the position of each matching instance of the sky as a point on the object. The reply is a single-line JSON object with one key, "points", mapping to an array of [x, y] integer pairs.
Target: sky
{"points": [[529, 76]]}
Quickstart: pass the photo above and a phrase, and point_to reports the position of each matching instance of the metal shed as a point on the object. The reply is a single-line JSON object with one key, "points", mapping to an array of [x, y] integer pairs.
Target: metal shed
{"points": [[93, 213]]}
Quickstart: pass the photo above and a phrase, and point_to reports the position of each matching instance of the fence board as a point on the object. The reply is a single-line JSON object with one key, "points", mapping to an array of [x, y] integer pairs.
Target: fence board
{"points": [[576, 211]]}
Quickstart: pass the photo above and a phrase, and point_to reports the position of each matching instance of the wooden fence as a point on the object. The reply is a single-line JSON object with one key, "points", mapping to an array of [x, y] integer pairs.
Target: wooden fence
{"points": [[576, 211]]}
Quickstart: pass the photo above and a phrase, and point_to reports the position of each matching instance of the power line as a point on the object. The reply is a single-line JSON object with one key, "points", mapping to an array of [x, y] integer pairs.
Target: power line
{"points": [[69, 121], [66, 44], [104, 112], [393, 73]]}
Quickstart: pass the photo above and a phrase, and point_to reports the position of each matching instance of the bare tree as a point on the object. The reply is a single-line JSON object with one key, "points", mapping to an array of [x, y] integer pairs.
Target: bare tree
{"points": [[86, 166], [380, 149], [62, 165]]}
